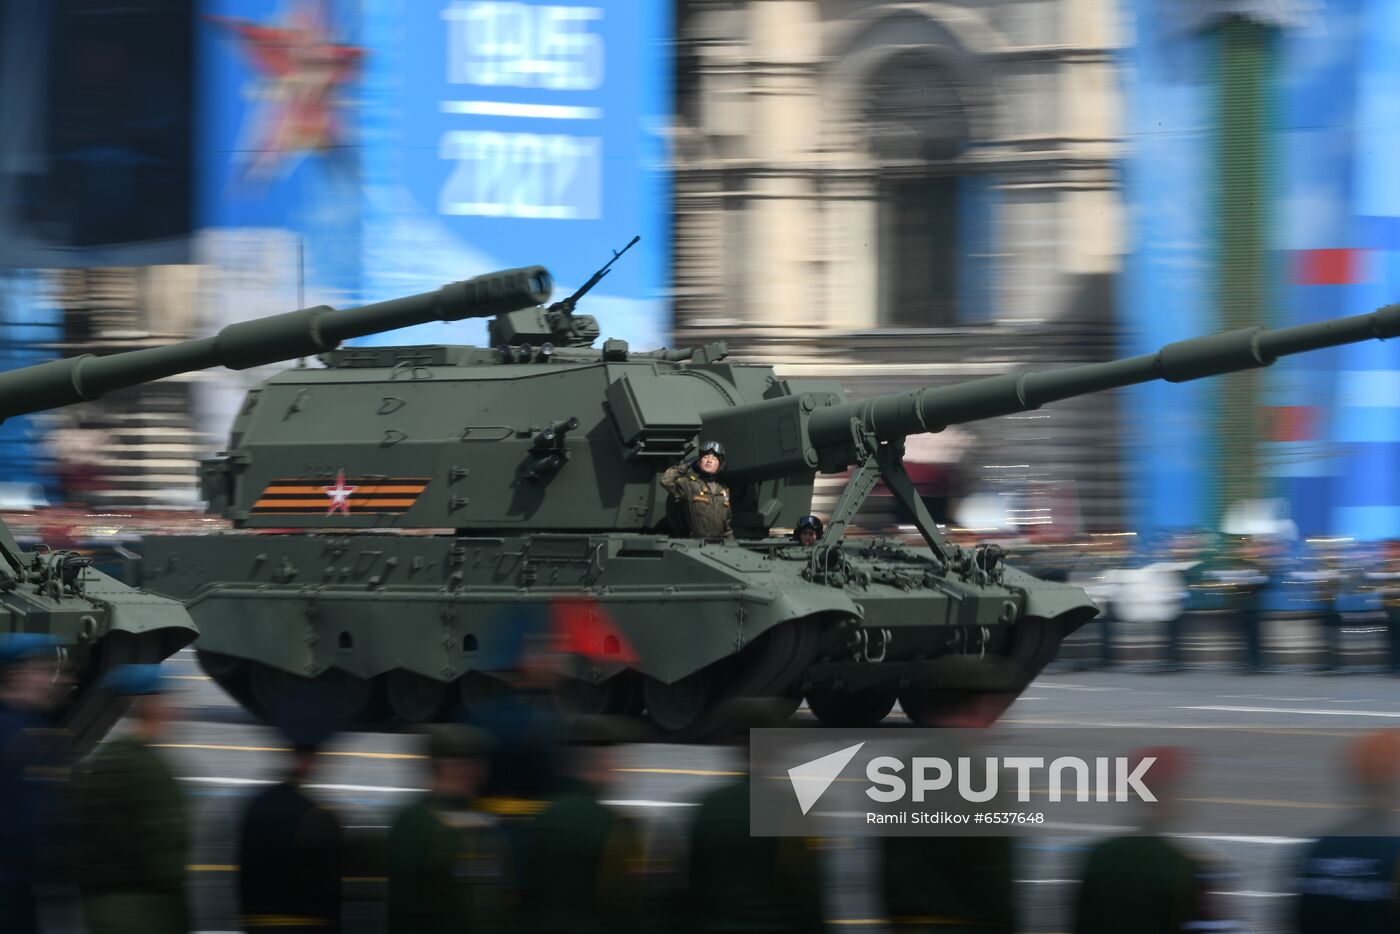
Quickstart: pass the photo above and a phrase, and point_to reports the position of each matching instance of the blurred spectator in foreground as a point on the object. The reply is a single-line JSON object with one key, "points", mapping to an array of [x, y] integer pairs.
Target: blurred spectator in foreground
{"points": [[449, 865], [587, 867], [1347, 880], [1146, 883], [27, 667], [942, 884], [290, 855], [133, 828], [741, 883], [957, 885]]}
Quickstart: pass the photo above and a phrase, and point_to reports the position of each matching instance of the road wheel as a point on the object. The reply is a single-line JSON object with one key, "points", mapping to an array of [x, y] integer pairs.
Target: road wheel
{"points": [[935, 707], [619, 695], [849, 709], [414, 698], [340, 696], [673, 708]]}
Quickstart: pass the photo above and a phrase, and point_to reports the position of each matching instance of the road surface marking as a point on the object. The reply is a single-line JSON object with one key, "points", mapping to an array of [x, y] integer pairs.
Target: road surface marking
{"points": [[701, 772], [348, 753], [1302, 711]]}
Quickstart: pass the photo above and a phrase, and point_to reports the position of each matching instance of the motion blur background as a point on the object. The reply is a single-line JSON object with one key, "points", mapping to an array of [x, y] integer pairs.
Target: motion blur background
{"points": [[890, 193]]}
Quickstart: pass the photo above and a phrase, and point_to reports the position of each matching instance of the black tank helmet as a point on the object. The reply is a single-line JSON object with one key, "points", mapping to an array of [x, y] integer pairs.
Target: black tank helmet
{"points": [[712, 447], [807, 522]]}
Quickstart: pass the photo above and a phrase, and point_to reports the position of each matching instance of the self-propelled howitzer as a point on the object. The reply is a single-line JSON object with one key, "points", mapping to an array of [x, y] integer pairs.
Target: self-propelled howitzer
{"points": [[96, 622], [529, 472]]}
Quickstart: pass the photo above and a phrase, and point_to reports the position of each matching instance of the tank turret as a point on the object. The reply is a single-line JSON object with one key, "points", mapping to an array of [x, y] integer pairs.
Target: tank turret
{"points": [[96, 622], [528, 473]]}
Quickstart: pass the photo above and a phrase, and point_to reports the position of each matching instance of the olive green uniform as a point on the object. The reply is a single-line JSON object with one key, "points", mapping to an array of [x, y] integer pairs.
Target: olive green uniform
{"points": [[703, 501], [448, 871], [586, 869], [741, 883], [133, 842], [948, 885], [1151, 885]]}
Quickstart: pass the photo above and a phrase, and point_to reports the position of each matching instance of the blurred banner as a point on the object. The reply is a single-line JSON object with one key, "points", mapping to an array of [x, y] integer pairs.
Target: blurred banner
{"points": [[365, 149], [1328, 426], [94, 132]]}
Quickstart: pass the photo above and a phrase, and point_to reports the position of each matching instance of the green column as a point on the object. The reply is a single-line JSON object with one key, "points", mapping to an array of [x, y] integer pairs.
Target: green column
{"points": [[1245, 80]]}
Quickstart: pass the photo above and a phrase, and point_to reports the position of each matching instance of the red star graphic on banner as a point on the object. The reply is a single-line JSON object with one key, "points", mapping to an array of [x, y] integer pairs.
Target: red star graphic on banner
{"points": [[300, 70], [339, 494]]}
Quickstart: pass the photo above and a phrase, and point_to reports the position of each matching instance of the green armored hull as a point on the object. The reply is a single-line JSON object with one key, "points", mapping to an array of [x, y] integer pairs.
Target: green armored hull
{"points": [[423, 619], [404, 513]]}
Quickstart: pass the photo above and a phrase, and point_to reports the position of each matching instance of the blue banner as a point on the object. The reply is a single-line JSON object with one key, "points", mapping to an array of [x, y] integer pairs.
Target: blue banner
{"points": [[377, 148], [502, 134]]}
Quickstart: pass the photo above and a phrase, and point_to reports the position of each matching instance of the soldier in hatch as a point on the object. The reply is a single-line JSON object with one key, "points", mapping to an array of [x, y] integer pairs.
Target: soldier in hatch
{"points": [[698, 495], [807, 530]]}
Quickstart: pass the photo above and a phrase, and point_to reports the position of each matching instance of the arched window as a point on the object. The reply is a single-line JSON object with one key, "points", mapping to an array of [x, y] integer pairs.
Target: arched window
{"points": [[917, 129]]}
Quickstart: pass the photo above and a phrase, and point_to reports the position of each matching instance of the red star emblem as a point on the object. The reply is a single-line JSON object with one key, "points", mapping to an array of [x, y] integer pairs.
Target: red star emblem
{"points": [[300, 69], [339, 494]]}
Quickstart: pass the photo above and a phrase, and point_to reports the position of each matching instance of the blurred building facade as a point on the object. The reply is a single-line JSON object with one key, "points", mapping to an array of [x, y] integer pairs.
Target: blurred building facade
{"points": [[897, 194]]}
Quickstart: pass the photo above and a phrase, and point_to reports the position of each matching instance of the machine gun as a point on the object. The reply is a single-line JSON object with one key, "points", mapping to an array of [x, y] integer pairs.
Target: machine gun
{"points": [[565, 306]]}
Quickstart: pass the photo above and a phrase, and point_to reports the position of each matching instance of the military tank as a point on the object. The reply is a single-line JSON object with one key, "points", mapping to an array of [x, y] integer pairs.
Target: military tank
{"points": [[403, 509], [97, 622]]}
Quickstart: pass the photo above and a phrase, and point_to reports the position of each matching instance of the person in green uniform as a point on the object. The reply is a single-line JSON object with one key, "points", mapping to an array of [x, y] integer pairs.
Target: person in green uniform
{"points": [[587, 868], [741, 883], [134, 832], [448, 863], [698, 497], [948, 885], [1144, 881]]}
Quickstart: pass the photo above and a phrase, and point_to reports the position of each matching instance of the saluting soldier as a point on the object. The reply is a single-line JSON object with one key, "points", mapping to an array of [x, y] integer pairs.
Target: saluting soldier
{"points": [[698, 495], [134, 833], [448, 863]]}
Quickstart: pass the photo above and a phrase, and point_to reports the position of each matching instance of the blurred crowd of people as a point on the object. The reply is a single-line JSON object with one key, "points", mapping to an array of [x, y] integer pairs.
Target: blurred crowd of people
{"points": [[1248, 585], [519, 831]]}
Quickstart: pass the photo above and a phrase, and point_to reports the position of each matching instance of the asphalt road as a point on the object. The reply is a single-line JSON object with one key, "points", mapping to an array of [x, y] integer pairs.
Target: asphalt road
{"points": [[1254, 824]]}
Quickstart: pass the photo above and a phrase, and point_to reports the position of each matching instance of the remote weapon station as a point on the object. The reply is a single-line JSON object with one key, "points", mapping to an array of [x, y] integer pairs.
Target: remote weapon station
{"points": [[96, 622], [409, 509]]}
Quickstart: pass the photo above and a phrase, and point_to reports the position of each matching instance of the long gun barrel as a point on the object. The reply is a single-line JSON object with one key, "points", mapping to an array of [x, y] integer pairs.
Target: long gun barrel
{"points": [[267, 340], [787, 435]]}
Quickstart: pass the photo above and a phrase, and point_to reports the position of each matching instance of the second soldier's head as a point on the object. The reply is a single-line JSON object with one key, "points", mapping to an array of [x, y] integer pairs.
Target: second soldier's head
{"points": [[808, 530], [711, 460]]}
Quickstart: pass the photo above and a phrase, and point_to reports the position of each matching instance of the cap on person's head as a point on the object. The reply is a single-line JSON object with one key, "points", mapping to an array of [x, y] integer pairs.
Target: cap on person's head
{"points": [[135, 681], [16, 647], [455, 741], [1375, 757]]}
